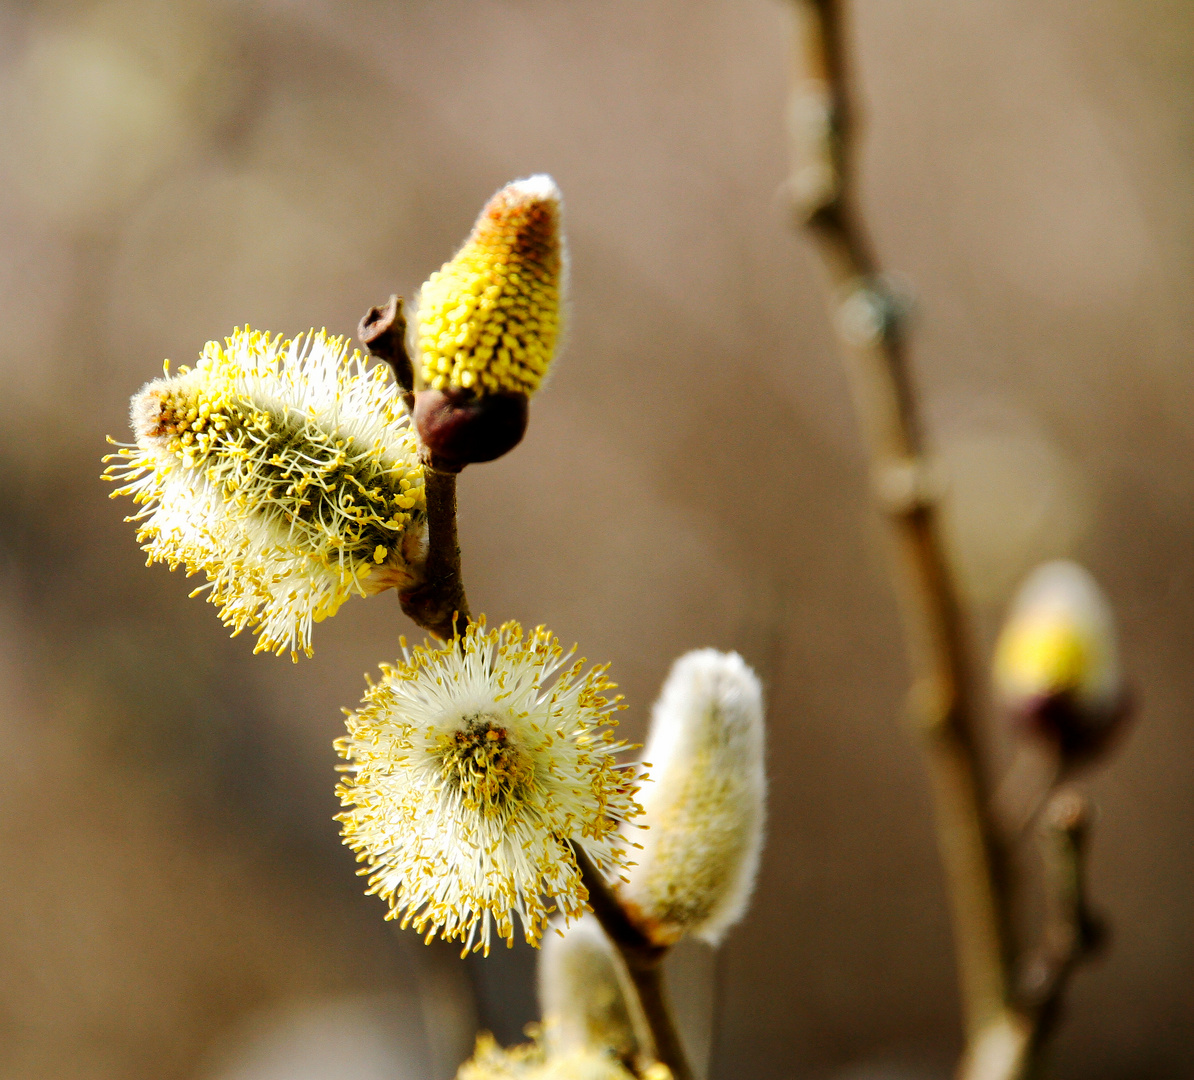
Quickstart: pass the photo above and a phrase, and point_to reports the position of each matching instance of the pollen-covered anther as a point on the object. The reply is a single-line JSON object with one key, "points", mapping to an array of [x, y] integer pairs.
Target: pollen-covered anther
{"points": [[484, 764]]}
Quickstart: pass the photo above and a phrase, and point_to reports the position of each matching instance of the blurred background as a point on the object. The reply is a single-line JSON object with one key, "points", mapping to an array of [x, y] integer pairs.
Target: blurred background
{"points": [[174, 899]]}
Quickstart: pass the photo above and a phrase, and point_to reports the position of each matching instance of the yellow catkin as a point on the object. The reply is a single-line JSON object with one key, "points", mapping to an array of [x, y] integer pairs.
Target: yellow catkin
{"points": [[283, 470], [472, 770], [536, 1061], [489, 321]]}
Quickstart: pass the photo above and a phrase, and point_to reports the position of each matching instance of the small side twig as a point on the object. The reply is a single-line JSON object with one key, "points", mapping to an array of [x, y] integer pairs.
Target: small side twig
{"points": [[382, 330], [643, 959], [1072, 933]]}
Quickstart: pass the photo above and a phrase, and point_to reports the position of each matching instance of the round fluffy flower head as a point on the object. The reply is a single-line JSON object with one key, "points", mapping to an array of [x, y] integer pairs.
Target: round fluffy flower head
{"points": [[704, 811], [286, 472], [1057, 662], [489, 320], [471, 772]]}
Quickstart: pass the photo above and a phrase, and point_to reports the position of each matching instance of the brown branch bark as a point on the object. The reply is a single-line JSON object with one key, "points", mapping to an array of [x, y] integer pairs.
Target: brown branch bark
{"points": [[867, 320], [1006, 1026], [643, 959], [438, 603], [1072, 933]]}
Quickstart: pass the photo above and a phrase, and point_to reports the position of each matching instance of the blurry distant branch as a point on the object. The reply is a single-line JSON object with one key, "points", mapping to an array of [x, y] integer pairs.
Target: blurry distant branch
{"points": [[1071, 932], [1006, 1024], [867, 319]]}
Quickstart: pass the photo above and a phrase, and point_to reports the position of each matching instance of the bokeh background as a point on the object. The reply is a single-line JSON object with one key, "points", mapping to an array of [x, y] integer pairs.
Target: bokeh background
{"points": [[174, 901]]}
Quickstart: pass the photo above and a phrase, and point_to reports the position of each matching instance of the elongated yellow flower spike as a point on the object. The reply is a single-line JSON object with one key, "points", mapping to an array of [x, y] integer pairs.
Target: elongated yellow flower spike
{"points": [[490, 319], [284, 471], [488, 326], [472, 770], [703, 810], [1056, 669]]}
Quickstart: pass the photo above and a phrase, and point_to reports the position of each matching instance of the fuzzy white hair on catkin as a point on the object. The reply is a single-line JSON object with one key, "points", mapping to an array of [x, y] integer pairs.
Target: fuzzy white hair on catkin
{"points": [[704, 806], [582, 992], [542, 186]]}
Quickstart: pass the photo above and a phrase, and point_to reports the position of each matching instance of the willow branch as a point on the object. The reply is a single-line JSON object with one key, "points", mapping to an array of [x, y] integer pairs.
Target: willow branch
{"points": [[438, 603], [643, 959], [867, 321]]}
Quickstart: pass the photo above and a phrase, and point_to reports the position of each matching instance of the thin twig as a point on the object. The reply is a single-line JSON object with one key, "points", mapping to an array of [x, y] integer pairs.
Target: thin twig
{"points": [[382, 330], [643, 959], [1071, 933], [867, 319], [438, 603]]}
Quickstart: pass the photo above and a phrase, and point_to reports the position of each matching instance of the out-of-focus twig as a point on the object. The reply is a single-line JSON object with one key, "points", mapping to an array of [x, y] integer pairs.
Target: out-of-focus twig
{"points": [[643, 959], [867, 320], [1071, 932]]}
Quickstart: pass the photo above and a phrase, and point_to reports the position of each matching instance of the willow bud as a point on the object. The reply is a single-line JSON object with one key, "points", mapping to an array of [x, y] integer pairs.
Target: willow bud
{"points": [[581, 993], [488, 324], [705, 810], [1056, 670]]}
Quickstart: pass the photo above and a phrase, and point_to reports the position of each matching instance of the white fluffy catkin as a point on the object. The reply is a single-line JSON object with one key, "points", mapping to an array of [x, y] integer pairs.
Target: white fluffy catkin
{"points": [[704, 804], [581, 993]]}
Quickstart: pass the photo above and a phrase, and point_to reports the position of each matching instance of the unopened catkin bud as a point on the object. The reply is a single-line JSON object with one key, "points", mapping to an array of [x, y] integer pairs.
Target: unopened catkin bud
{"points": [[582, 993], [1056, 670], [704, 809], [488, 325]]}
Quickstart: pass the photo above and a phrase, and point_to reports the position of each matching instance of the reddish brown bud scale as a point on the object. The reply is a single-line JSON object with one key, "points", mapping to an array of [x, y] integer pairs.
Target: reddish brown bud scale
{"points": [[459, 428], [1081, 735]]}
